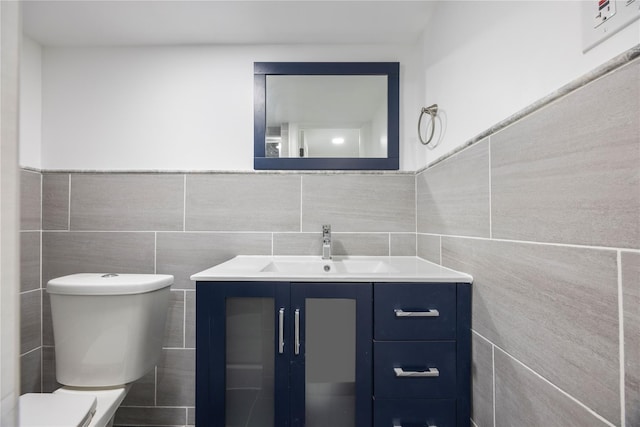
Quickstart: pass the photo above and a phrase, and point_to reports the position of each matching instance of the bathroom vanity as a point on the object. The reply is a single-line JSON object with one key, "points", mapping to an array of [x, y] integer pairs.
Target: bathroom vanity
{"points": [[348, 342]]}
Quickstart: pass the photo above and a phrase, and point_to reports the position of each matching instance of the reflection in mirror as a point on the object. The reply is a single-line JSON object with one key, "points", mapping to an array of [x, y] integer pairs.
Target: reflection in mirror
{"points": [[326, 116]]}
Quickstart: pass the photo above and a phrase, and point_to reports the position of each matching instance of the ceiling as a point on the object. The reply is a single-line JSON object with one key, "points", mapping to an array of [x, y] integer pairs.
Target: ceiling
{"points": [[154, 22]]}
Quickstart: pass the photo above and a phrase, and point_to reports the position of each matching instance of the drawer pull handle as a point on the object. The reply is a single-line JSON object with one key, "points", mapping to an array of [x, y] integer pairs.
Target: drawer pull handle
{"points": [[431, 372], [431, 313], [281, 330]]}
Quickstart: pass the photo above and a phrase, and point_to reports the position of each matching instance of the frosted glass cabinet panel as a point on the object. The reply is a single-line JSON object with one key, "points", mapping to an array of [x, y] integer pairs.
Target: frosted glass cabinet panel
{"points": [[330, 362], [250, 362]]}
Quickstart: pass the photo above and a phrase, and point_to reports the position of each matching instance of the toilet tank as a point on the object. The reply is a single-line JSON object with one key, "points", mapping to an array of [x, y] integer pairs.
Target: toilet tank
{"points": [[108, 328]]}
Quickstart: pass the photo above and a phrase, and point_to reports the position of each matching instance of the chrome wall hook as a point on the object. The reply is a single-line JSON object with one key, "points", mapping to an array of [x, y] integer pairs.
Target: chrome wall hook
{"points": [[431, 110]]}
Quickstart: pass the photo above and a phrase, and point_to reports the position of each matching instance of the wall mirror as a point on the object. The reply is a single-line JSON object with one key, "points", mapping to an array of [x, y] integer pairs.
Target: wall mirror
{"points": [[326, 115]]}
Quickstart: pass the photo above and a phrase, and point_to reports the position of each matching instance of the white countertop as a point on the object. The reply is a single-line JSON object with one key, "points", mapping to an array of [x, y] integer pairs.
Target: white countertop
{"points": [[244, 268]]}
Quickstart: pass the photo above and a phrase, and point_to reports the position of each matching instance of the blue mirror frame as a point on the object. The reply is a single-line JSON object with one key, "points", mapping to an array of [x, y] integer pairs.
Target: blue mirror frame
{"points": [[389, 69]]}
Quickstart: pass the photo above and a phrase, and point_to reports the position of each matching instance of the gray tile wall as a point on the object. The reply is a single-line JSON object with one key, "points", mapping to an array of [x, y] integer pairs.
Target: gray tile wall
{"points": [[545, 215], [482, 381], [631, 319], [523, 398], [455, 201], [181, 224], [30, 283], [579, 156]]}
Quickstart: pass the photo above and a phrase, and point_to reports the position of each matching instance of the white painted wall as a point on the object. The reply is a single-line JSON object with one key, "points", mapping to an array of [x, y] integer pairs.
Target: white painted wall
{"points": [[190, 108], [484, 61], [176, 108], [30, 104]]}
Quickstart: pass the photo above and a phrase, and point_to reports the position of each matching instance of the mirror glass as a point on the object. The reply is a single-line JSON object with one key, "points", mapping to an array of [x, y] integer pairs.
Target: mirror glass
{"points": [[326, 116]]}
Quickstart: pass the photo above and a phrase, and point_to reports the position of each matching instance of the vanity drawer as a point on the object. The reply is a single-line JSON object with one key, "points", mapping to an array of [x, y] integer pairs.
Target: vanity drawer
{"points": [[409, 311], [417, 370], [414, 413]]}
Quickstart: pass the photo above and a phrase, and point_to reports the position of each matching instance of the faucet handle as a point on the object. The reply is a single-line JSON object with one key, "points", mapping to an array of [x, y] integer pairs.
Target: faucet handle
{"points": [[326, 241]]}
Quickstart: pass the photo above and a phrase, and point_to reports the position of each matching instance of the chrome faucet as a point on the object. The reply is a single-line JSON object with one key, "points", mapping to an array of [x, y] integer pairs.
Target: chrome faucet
{"points": [[326, 242]]}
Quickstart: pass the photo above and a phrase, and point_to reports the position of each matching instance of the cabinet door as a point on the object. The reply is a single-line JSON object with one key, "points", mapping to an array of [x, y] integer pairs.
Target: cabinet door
{"points": [[243, 354], [331, 358]]}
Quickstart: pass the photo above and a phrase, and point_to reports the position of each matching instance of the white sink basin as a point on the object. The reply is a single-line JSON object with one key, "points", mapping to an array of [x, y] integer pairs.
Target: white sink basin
{"points": [[313, 265], [360, 266], [302, 266], [338, 269]]}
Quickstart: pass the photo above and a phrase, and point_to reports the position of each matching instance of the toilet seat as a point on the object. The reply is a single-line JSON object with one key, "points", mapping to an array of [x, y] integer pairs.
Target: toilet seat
{"points": [[71, 407], [107, 401], [56, 410]]}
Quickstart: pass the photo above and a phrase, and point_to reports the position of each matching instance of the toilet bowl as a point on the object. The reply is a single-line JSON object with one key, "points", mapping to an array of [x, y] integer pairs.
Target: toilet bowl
{"points": [[108, 331]]}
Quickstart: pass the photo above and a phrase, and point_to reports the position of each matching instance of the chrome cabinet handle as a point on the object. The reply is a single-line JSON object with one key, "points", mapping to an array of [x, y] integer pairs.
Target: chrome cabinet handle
{"points": [[430, 313], [297, 331], [281, 330], [431, 372]]}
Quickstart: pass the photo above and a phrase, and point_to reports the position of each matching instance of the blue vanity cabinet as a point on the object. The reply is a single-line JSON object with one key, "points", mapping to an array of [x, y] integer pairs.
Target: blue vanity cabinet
{"points": [[422, 355], [280, 354], [290, 354]]}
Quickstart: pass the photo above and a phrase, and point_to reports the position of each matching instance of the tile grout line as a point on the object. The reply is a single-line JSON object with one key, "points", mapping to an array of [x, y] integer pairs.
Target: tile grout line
{"points": [[473, 331], [563, 245], [184, 204], [184, 319], [490, 195], [301, 177], [247, 232], [178, 348], [41, 198], [621, 342], [138, 231], [40, 254], [69, 206], [530, 242], [155, 385], [155, 252], [493, 376], [30, 351], [415, 201], [575, 400]]}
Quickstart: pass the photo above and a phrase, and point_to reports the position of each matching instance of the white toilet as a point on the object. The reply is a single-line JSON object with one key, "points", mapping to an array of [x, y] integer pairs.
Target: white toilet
{"points": [[108, 331]]}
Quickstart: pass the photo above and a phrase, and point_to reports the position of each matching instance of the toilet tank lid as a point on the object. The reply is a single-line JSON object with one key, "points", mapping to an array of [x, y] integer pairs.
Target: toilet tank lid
{"points": [[108, 284]]}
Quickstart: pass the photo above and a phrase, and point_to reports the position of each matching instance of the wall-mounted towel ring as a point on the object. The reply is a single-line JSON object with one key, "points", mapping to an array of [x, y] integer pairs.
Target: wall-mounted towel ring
{"points": [[431, 110]]}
